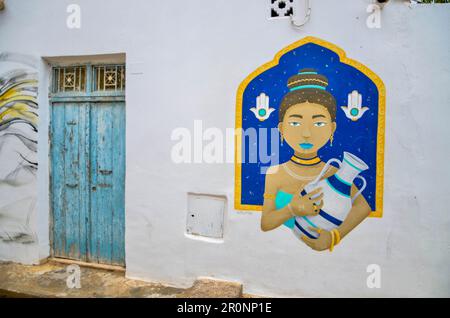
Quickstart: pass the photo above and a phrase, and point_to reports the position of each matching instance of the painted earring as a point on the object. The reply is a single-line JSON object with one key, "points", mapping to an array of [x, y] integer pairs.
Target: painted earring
{"points": [[282, 139], [331, 140]]}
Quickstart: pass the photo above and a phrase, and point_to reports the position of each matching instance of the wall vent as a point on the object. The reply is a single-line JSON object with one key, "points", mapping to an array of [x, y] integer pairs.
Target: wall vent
{"points": [[281, 8]]}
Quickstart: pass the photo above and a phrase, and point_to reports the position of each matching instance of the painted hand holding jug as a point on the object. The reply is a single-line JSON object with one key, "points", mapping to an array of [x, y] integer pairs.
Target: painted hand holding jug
{"points": [[336, 190]]}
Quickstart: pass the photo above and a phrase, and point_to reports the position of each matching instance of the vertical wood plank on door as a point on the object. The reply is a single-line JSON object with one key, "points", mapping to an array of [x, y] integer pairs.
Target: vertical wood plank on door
{"points": [[102, 141], [84, 149], [118, 182], [95, 236], [71, 204], [57, 173]]}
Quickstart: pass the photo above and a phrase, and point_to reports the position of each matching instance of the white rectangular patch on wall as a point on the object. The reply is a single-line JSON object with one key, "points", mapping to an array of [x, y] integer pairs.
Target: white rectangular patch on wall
{"points": [[205, 215]]}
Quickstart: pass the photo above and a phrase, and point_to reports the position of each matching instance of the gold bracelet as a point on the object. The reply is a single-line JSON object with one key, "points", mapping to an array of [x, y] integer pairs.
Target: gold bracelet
{"points": [[337, 235], [332, 241]]}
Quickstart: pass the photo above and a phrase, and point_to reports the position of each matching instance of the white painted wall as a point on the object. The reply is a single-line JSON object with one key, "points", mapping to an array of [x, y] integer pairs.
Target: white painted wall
{"points": [[194, 55]]}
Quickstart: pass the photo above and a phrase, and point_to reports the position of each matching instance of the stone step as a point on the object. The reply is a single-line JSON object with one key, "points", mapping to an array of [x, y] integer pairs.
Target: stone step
{"points": [[49, 280], [213, 288]]}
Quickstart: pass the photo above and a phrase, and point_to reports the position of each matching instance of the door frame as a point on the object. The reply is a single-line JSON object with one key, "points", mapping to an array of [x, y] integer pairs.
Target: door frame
{"points": [[86, 96]]}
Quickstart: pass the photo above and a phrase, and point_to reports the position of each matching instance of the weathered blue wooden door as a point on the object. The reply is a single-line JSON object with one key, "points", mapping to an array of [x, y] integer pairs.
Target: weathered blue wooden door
{"points": [[88, 178]]}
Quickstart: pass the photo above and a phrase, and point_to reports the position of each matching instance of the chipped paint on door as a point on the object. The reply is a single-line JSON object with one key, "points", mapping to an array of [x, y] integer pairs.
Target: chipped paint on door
{"points": [[88, 179]]}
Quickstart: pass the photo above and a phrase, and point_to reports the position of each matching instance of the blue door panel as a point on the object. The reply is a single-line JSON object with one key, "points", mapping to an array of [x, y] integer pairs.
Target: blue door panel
{"points": [[88, 177]]}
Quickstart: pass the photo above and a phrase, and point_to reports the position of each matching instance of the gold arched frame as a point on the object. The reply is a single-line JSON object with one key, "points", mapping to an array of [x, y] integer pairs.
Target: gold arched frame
{"points": [[343, 59]]}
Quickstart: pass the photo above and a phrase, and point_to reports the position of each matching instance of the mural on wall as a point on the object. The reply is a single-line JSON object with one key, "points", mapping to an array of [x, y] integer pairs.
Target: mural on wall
{"points": [[18, 147], [310, 143]]}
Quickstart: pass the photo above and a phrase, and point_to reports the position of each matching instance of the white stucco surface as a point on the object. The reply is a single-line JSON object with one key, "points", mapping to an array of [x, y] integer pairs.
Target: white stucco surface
{"points": [[185, 60]]}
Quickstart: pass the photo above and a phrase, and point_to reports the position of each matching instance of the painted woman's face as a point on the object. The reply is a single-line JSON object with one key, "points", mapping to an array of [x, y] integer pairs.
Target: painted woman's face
{"points": [[307, 127]]}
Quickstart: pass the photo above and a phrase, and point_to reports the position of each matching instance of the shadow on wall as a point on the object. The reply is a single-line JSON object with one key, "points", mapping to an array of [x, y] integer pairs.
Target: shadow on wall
{"points": [[18, 147]]}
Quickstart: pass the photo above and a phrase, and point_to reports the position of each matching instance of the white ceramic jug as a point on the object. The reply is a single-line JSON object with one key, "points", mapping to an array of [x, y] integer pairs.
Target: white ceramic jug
{"points": [[337, 201]]}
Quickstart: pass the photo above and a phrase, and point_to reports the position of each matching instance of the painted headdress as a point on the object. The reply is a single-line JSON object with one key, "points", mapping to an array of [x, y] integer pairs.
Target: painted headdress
{"points": [[307, 78]]}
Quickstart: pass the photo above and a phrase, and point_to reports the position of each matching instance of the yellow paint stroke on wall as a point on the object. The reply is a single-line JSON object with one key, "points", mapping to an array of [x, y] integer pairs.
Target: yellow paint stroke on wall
{"points": [[13, 102]]}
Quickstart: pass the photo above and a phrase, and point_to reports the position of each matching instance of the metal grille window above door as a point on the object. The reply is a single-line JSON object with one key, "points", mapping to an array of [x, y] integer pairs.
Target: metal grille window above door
{"points": [[87, 79], [69, 79], [109, 77]]}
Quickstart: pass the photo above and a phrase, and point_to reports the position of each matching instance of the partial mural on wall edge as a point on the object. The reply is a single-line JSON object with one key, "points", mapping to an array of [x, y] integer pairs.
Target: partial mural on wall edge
{"points": [[18, 147]]}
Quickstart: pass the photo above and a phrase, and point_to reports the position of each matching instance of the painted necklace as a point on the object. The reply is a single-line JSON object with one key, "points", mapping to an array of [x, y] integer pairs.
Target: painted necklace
{"points": [[299, 177], [305, 162]]}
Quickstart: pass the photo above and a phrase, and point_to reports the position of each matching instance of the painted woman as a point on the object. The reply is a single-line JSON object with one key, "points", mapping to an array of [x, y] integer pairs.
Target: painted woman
{"points": [[307, 122]]}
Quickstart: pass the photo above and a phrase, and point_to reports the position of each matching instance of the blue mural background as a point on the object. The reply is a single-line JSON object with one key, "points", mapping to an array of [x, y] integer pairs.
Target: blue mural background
{"points": [[357, 137]]}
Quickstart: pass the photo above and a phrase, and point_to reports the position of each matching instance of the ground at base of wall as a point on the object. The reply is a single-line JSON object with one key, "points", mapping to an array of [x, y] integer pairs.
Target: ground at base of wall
{"points": [[50, 280]]}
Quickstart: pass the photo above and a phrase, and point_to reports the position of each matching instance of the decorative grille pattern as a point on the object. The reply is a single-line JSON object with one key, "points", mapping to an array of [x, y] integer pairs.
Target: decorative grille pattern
{"points": [[69, 79], [109, 77]]}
